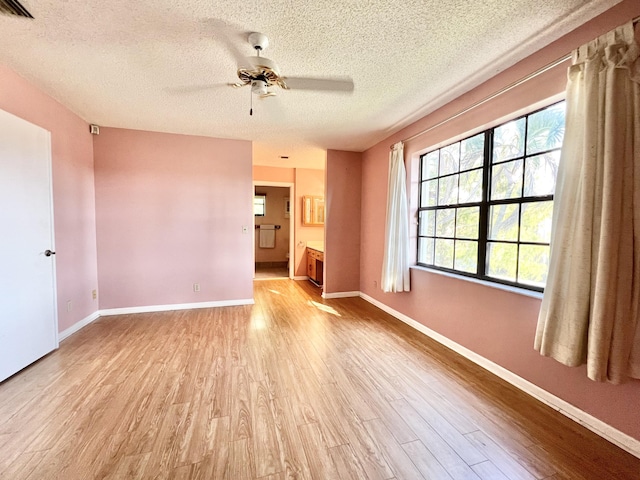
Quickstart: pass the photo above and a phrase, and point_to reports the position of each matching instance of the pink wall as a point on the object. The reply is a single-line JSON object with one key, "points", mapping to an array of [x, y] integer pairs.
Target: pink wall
{"points": [[169, 212], [342, 238], [308, 182], [73, 192], [496, 324]]}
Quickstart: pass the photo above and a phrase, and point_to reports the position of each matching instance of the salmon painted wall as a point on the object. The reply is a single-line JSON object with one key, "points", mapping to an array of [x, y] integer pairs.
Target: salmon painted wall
{"points": [[308, 182], [342, 237], [263, 173], [73, 192], [497, 324], [274, 174], [169, 212]]}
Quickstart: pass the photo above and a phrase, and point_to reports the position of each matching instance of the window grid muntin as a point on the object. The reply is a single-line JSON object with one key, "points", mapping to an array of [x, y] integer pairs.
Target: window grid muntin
{"points": [[486, 203]]}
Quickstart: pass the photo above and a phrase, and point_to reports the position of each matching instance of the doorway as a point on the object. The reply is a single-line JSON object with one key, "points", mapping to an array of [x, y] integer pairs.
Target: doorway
{"points": [[274, 232]]}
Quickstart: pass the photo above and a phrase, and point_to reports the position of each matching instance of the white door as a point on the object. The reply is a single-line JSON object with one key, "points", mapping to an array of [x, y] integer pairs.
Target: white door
{"points": [[28, 321]]}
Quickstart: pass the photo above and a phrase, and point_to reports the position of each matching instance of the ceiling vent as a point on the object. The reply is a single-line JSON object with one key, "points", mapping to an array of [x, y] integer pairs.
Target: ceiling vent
{"points": [[13, 7]]}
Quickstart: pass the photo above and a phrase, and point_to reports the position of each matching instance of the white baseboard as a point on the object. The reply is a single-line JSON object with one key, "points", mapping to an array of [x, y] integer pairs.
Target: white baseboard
{"points": [[177, 306], [606, 431], [340, 294], [78, 325], [301, 277], [154, 308]]}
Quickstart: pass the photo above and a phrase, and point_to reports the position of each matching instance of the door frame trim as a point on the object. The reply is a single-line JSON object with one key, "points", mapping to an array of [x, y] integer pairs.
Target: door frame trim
{"points": [[292, 216], [52, 240]]}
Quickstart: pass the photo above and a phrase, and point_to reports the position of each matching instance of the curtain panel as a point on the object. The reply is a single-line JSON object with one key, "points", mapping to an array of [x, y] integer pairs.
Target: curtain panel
{"points": [[590, 307], [395, 266]]}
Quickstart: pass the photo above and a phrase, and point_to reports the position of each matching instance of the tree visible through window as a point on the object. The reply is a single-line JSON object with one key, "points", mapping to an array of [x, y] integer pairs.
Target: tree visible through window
{"points": [[486, 202]]}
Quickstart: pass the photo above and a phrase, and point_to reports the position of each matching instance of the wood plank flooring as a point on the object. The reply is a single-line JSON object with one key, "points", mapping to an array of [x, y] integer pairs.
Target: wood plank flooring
{"points": [[293, 387]]}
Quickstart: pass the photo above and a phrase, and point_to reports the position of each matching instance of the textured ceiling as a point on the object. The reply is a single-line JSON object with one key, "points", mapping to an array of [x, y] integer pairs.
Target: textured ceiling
{"points": [[163, 65]]}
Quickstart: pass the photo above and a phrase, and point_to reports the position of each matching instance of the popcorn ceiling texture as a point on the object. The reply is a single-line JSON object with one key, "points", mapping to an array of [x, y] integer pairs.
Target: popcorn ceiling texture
{"points": [[162, 65]]}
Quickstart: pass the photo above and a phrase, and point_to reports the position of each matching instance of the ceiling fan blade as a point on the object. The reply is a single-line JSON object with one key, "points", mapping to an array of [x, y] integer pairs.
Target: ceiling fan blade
{"points": [[229, 35], [339, 84], [197, 88]]}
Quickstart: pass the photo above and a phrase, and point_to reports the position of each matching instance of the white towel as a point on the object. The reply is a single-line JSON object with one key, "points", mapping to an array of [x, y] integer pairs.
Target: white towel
{"points": [[267, 236]]}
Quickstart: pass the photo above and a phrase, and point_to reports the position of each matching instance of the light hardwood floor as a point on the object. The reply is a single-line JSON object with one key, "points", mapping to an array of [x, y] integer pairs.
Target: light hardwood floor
{"points": [[262, 273], [292, 387]]}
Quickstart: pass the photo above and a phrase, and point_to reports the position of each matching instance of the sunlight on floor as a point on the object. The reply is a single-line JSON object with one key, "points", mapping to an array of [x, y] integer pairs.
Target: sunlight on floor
{"points": [[324, 308], [258, 322]]}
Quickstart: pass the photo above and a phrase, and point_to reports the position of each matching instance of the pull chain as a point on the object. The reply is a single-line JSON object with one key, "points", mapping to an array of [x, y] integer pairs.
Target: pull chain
{"points": [[258, 49]]}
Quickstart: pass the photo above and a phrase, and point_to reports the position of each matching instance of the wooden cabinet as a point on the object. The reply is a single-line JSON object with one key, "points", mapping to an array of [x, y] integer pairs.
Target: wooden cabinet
{"points": [[311, 268], [315, 266], [312, 210]]}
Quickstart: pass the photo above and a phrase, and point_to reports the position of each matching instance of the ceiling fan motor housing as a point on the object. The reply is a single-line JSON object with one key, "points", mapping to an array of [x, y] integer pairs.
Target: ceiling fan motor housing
{"points": [[259, 65], [260, 73]]}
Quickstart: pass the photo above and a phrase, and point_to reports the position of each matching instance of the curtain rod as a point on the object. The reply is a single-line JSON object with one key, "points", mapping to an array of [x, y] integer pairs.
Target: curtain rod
{"points": [[503, 90]]}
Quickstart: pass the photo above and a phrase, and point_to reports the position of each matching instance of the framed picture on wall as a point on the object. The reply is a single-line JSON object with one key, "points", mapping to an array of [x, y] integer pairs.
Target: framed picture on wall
{"points": [[287, 207]]}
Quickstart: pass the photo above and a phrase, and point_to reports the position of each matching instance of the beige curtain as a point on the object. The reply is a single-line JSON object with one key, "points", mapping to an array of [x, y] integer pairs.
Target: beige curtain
{"points": [[395, 266], [590, 308]]}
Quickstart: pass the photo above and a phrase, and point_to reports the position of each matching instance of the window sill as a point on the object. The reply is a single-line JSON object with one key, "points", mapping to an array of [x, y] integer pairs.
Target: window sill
{"points": [[499, 286]]}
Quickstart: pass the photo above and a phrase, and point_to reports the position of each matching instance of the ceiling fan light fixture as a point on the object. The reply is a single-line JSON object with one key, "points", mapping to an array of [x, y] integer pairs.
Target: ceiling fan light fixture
{"points": [[259, 87]]}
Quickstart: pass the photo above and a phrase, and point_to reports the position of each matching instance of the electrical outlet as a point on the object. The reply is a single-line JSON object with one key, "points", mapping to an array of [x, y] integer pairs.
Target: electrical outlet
{"points": [[69, 306], [94, 294], [196, 287], [245, 229]]}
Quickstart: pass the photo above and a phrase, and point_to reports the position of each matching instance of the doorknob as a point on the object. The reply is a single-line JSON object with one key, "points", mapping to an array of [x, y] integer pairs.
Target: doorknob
{"points": [[48, 253]]}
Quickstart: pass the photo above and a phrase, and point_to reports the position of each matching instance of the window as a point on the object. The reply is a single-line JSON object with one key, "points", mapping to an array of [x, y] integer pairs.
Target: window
{"points": [[259, 205], [486, 202]]}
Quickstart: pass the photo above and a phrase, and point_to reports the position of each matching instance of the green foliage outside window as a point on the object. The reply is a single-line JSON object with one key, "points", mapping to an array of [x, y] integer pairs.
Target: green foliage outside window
{"points": [[486, 202]]}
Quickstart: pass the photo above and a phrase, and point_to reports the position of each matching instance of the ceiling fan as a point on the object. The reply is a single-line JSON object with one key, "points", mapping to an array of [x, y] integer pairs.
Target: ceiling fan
{"points": [[264, 75], [261, 73]]}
